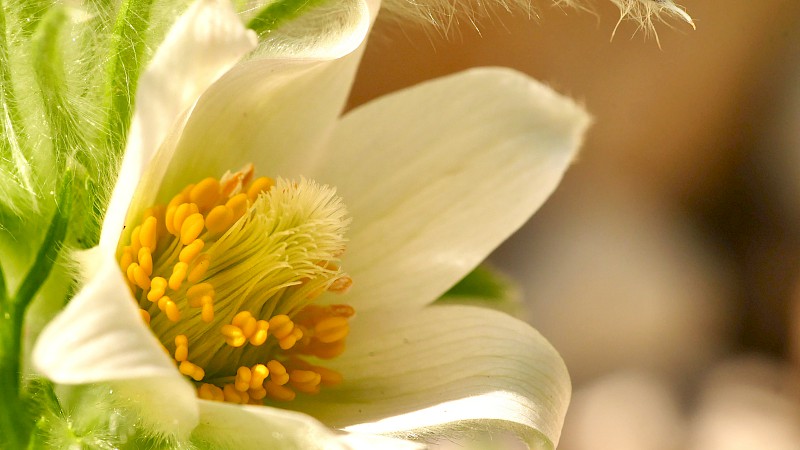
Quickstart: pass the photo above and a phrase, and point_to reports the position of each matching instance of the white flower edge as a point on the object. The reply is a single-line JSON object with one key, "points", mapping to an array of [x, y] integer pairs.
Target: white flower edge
{"points": [[436, 176], [416, 370], [225, 425], [205, 42]]}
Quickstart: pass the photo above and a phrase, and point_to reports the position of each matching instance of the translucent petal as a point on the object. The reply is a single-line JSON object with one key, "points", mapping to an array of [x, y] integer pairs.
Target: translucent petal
{"points": [[275, 112], [410, 372], [100, 337], [438, 175], [202, 45]]}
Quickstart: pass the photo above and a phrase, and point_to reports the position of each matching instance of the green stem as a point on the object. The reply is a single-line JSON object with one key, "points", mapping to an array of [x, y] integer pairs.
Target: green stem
{"points": [[14, 420], [275, 14]]}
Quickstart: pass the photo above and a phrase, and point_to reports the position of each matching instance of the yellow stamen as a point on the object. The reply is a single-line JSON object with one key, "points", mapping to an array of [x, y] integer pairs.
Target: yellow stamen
{"points": [[261, 184], [331, 329], [158, 285], [229, 264], [205, 194], [191, 228], [191, 370], [178, 275], [145, 260], [190, 252], [219, 219], [148, 235], [279, 392]]}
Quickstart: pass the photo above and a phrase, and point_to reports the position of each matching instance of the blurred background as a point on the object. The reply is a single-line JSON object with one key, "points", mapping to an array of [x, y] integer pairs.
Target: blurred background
{"points": [[666, 267]]}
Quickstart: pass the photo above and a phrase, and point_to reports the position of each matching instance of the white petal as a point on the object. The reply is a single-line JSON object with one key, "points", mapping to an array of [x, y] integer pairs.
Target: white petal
{"points": [[202, 45], [410, 370], [436, 176], [326, 31], [100, 337], [223, 425], [274, 112]]}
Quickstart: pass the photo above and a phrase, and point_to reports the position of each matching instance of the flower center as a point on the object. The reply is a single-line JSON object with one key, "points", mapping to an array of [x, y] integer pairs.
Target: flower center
{"points": [[225, 276]]}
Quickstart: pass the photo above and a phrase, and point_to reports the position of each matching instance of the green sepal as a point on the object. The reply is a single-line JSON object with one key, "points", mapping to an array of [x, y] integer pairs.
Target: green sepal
{"points": [[485, 287], [272, 16]]}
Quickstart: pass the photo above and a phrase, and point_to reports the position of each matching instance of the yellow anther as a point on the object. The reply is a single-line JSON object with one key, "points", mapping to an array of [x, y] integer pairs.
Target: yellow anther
{"points": [[260, 184], [169, 216], [219, 219], [140, 277], [205, 193], [341, 284], [162, 302], [199, 268], [192, 370], [129, 272], [249, 327], [181, 350], [157, 287], [260, 335], [243, 377], [178, 275], [172, 311], [148, 236], [331, 329], [279, 392], [241, 318], [257, 393], [135, 242], [328, 377], [156, 211], [189, 252], [126, 259], [196, 292], [288, 342], [207, 313], [305, 381], [281, 326], [211, 392], [258, 374], [145, 260], [234, 396], [145, 316], [191, 228], [183, 211], [277, 372], [238, 204], [233, 335]]}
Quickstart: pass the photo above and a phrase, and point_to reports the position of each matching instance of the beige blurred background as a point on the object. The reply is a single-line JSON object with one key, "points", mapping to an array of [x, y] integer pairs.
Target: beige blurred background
{"points": [[666, 268]]}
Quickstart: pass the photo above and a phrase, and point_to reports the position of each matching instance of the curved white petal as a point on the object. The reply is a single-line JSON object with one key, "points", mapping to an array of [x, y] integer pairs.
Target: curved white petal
{"points": [[438, 175], [100, 337], [408, 371], [223, 425], [326, 31], [275, 112], [202, 45]]}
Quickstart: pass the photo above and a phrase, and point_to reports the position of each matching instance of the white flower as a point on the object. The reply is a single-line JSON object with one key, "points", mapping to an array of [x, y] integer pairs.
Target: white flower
{"points": [[434, 177]]}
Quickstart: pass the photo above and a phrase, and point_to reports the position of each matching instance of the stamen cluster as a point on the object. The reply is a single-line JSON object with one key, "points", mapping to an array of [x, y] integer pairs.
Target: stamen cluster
{"points": [[225, 275]]}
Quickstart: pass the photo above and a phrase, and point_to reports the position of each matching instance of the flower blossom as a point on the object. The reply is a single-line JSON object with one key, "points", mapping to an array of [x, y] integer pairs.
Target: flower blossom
{"points": [[267, 265]]}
